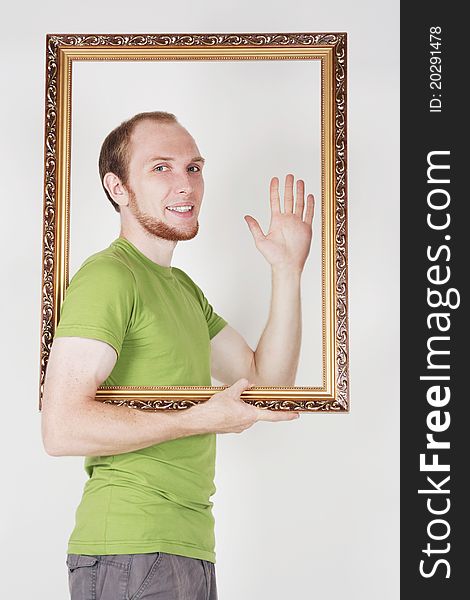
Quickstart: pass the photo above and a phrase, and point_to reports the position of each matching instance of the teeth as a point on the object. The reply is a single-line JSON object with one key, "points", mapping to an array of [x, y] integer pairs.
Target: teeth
{"points": [[180, 208]]}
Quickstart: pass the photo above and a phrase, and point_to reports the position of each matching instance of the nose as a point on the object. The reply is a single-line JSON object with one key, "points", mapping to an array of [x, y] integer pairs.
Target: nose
{"points": [[183, 185]]}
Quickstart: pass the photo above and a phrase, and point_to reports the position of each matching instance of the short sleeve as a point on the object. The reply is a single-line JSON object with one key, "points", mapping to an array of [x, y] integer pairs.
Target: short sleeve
{"points": [[215, 322], [98, 302]]}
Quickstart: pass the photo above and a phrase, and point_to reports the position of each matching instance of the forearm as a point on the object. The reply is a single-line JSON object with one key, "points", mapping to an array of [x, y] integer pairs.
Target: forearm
{"points": [[276, 357], [92, 428], [99, 429]]}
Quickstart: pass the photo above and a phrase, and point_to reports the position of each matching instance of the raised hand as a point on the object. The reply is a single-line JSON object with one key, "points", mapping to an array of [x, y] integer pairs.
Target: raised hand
{"points": [[288, 240]]}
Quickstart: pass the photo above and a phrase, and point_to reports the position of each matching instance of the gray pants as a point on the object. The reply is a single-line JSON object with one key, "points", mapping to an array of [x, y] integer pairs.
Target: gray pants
{"points": [[156, 576]]}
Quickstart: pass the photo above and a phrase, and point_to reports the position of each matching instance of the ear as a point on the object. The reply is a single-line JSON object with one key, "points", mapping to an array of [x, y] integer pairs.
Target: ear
{"points": [[116, 189]]}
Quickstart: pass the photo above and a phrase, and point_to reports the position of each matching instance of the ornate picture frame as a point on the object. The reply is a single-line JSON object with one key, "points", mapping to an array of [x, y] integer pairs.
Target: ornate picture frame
{"points": [[62, 51]]}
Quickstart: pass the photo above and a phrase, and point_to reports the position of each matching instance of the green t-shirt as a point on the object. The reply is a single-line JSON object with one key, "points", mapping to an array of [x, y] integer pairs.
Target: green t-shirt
{"points": [[159, 322]]}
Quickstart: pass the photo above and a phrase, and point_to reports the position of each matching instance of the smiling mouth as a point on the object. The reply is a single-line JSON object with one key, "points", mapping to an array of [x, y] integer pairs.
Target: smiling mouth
{"points": [[180, 209]]}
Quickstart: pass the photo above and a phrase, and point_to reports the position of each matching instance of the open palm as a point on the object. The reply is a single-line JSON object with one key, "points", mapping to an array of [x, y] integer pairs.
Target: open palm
{"points": [[288, 240]]}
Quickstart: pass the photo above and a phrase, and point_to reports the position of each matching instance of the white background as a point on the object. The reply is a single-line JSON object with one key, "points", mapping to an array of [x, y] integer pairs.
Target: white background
{"points": [[247, 135], [305, 510]]}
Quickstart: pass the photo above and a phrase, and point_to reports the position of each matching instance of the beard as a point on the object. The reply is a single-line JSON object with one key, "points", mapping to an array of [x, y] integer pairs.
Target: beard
{"points": [[158, 228]]}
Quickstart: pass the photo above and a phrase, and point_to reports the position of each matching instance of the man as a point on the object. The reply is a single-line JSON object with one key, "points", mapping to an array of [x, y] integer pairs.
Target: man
{"points": [[144, 527]]}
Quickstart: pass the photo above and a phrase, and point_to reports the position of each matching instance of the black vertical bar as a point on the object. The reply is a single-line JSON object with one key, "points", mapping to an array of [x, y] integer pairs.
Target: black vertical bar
{"points": [[434, 260]]}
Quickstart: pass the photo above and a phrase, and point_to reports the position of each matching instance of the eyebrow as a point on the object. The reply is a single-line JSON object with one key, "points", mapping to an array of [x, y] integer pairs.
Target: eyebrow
{"points": [[171, 158]]}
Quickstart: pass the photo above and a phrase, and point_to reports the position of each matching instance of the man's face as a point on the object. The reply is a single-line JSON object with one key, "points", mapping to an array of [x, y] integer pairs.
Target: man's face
{"points": [[165, 181]]}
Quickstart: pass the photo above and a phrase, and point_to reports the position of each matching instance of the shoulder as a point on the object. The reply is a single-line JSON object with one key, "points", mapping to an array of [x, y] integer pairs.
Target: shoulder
{"points": [[181, 275], [106, 266], [102, 276], [187, 281]]}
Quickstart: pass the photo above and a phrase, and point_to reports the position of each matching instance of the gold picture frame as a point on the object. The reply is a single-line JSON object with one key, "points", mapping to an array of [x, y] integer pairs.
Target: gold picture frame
{"points": [[62, 51]]}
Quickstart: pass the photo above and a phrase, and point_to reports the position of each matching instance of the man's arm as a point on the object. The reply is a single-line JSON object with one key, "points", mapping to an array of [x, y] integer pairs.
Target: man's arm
{"points": [[75, 424], [275, 360], [285, 247]]}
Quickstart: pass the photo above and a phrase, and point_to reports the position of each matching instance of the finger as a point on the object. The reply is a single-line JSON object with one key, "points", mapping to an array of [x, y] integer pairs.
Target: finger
{"points": [[289, 193], [309, 211], [299, 199], [255, 229], [277, 415], [274, 195]]}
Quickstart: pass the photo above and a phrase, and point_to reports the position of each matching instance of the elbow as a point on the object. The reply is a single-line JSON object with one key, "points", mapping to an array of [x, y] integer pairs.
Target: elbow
{"points": [[51, 441], [52, 446], [271, 379], [53, 451], [269, 375], [289, 381], [254, 377], [59, 442], [272, 382]]}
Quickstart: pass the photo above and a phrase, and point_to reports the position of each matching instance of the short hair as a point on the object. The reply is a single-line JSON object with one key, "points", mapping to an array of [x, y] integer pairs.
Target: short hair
{"points": [[114, 154]]}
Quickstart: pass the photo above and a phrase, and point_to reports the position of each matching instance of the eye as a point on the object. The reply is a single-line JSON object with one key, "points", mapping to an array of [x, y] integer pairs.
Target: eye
{"points": [[194, 169], [160, 168]]}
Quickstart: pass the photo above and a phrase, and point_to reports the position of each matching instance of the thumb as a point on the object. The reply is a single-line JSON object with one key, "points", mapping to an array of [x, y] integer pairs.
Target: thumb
{"points": [[239, 387], [255, 229]]}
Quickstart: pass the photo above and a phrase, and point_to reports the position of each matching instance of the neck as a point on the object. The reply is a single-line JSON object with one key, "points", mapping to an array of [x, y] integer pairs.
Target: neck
{"points": [[158, 250]]}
